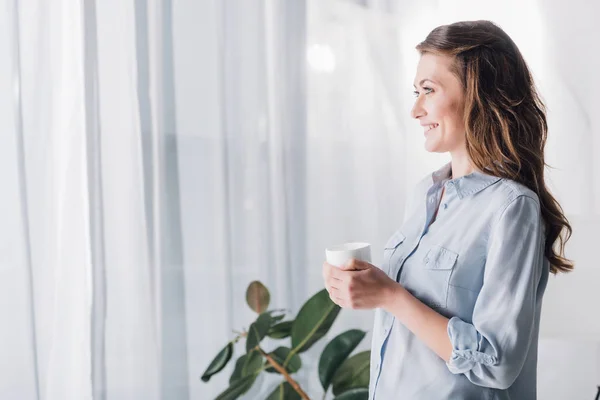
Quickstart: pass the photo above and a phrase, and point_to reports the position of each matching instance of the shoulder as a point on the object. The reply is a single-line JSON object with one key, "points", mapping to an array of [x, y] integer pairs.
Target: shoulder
{"points": [[511, 192], [514, 200]]}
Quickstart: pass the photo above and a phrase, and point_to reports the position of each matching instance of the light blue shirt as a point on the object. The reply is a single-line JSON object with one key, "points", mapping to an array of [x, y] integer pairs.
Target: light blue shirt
{"points": [[480, 263]]}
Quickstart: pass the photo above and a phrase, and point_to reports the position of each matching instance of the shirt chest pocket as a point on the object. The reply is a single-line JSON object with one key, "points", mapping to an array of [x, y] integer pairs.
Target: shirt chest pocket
{"points": [[438, 265], [391, 250]]}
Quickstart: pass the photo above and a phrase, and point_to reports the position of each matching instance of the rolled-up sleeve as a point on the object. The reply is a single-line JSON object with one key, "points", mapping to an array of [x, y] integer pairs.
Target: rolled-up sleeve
{"points": [[492, 349]]}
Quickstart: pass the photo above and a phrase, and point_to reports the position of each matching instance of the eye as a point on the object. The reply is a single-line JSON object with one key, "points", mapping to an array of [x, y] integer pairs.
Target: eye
{"points": [[427, 90]]}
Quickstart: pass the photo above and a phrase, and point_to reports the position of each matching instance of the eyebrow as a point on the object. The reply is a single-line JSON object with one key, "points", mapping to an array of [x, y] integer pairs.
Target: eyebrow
{"points": [[423, 80]]}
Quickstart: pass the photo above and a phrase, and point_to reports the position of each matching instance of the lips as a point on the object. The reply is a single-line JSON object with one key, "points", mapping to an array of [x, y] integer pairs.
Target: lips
{"points": [[430, 127]]}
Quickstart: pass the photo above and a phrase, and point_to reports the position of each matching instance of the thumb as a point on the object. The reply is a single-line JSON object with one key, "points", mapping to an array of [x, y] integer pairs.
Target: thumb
{"points": [[355, 265]]}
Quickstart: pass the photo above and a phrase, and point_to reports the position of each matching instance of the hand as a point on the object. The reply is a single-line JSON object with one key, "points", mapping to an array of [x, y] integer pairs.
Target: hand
{"points": [[357, 285]]}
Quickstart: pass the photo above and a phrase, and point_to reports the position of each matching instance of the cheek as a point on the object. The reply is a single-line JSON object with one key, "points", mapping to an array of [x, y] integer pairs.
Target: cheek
{"points": [[456, 110], [453, 133], [453, 123]]}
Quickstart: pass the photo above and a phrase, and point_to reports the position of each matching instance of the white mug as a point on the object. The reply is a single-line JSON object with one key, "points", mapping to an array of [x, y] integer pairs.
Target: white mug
{"points": [[341, 254]]}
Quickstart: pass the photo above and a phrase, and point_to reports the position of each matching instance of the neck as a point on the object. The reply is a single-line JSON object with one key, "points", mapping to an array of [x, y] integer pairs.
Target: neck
{"points": [[460, 167]]}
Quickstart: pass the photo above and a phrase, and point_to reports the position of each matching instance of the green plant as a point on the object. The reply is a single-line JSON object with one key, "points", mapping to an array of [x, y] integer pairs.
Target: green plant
{"points": [[348, 377]]}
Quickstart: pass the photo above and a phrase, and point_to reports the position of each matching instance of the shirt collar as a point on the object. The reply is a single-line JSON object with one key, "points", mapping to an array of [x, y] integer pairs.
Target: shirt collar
{"points": [[465, 185]]}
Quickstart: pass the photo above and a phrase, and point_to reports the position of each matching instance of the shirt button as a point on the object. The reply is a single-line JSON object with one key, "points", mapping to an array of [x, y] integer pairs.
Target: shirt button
{"points": [[445, 205], [430, 200]]}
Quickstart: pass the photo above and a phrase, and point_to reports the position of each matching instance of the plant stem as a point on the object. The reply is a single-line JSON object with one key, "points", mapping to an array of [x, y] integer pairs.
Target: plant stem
{"points": [[239, 336], [283, 372]]}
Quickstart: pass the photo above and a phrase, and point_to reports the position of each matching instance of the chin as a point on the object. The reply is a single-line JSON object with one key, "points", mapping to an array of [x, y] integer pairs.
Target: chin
{"points": [[434, 148], [436, 144]]}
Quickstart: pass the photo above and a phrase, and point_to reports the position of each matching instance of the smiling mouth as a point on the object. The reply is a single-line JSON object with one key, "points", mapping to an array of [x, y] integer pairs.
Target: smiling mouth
{"points": [[430, 127]]}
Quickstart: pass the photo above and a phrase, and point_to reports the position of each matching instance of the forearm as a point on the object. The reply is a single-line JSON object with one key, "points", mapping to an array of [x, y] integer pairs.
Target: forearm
{"points": [[429, 326]]}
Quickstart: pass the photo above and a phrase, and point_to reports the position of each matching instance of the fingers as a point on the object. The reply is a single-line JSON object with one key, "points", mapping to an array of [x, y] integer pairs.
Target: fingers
{"points": [[334, 295], [333, 283], [336, 282], [332, 272]]}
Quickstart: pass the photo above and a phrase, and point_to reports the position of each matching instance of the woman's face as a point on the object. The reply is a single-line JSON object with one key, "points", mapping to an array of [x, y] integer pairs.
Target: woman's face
{"points": [[439, 104]]}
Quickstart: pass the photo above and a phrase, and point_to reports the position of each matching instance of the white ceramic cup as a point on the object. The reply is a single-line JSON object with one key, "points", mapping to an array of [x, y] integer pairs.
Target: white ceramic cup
{"points": [[341, 254]]}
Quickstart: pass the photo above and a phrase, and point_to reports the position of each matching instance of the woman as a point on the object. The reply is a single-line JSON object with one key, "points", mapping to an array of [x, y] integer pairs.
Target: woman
{"points": [[459, 296]]}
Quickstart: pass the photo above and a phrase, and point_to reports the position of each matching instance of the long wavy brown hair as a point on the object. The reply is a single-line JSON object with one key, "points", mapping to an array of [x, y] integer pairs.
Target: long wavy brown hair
{"points": [[505, 119]]}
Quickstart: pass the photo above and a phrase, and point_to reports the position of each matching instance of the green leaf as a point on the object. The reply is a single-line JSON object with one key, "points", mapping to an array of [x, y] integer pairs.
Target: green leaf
{"points": [[237, 388], [237, 371], [258, 330], [258, 297], [280, 355], [247, 364], [284, 392], [277, 318], [354, 394], [219, 362], [281, 330], [336, 352], [253, 363], [313, 321], [353, 373]]}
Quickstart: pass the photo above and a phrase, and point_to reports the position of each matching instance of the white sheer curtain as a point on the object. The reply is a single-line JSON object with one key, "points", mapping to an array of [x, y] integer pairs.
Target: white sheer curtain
{"points": [[158, 155], [153, 158], [45, 272], [90, 292]]}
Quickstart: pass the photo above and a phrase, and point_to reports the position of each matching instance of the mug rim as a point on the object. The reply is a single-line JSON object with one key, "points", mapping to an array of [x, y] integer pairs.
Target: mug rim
{"points": [[349, 246]]}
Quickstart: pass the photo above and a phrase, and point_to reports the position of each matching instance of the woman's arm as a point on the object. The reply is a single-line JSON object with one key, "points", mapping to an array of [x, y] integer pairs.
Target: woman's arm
{"points": [[491, 349], [428, 325]]}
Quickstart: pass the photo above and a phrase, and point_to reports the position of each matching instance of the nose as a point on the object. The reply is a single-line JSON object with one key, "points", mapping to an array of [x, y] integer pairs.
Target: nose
{"points": [[418, 110]]}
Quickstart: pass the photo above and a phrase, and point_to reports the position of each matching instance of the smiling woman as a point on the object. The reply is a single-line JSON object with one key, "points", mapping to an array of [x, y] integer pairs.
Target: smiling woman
{"points": [[459, 297], [476, 100]]}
